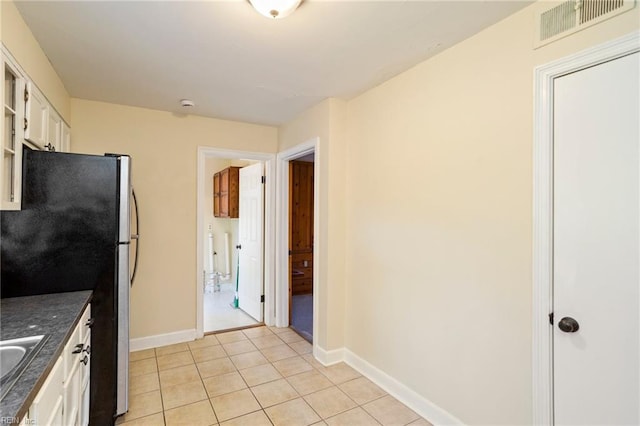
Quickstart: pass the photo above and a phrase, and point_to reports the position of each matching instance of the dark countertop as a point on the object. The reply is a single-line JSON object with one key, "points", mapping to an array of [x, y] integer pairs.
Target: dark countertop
{"points": [[54, 315]]}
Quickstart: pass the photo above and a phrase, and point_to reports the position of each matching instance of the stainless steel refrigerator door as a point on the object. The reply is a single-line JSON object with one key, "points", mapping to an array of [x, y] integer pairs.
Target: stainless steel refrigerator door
{"points": [[123, 330], [123, 285]]}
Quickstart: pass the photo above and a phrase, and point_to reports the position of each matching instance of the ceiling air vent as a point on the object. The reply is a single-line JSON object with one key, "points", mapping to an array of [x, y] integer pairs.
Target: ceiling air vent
{"points": [[559, 19]]}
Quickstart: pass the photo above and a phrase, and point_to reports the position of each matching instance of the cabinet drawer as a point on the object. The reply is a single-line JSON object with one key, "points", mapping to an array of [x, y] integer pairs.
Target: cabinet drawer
{"points": [[46, 402], [301, 260], [301, 263], [85, 366], [71, 358], [301, 286], [83, 324], [297, 257]]}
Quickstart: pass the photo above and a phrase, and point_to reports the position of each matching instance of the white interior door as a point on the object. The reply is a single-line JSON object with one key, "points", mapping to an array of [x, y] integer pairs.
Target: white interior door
{"points": [[250, 284], [596, 245]]}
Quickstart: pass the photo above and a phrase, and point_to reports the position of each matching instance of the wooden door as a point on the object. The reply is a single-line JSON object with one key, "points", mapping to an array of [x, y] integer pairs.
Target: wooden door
{"points": [[300, 229]]}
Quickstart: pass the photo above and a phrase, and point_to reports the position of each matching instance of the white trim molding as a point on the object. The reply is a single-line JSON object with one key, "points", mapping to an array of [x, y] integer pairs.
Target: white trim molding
{"points": [[401, 392], [282, 239], [328, 358], [162, 340], [205, 152], [543, 209]]}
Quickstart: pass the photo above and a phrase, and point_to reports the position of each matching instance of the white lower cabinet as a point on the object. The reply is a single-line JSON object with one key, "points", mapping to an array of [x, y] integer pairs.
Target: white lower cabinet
{"points": [[85, 368], [47, 405], [64, 397]]}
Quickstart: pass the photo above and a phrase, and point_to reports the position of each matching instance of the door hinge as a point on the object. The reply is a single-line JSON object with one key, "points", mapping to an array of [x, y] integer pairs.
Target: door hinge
{"points": [[26, 124], [263, 179], [551, 318], [26, 94], [262, 298]]}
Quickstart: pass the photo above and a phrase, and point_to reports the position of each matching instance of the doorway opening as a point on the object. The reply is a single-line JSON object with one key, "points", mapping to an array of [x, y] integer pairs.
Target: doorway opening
{"points": [[283, 293], [234, 279], [301, 218], [222, 268]]}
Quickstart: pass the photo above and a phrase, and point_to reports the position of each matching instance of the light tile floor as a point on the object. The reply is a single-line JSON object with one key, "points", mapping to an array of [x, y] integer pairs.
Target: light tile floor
{"points": [[257, 376], [219, 314]]}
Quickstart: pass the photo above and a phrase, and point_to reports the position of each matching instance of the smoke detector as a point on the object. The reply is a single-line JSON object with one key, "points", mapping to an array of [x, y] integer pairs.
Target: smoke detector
{"points": [[187, 103]]}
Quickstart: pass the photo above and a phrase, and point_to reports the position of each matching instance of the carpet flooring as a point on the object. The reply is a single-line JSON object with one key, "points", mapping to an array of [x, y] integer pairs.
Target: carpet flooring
{"points": [[302, 315]]}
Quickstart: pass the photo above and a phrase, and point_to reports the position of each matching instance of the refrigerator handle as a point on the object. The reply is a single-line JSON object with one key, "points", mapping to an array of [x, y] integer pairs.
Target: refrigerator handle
{"points": [[135, 236]]}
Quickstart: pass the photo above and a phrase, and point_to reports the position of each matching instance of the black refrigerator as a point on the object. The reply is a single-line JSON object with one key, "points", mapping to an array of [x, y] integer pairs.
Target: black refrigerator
{"points": [[74, 233]]}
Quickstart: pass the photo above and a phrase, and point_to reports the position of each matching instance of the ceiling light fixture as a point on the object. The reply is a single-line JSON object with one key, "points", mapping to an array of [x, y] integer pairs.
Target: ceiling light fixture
{"points": [[275, 9]]}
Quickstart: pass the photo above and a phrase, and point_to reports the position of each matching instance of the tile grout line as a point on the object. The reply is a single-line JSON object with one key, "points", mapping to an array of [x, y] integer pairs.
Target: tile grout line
{"points": [[164, 418], [249, 387], [202, 379]]}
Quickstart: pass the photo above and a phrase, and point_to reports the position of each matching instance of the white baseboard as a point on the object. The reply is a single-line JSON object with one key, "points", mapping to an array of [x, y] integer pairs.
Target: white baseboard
{"points": [[327, 358], [401, 392], [162, 340]]}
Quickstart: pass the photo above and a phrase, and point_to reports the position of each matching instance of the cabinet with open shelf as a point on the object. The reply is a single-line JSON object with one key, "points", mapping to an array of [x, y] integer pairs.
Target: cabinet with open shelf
{"points": [[12, 136]]}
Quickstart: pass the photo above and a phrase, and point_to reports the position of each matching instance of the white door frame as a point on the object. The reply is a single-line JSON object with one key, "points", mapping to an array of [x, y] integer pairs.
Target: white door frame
{"points": [[269, 228], [282, 240], [543, 210]]}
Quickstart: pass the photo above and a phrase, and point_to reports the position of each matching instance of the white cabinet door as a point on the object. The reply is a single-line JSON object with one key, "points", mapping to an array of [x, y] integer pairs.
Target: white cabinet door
{"points": [[54, 131], [85, 375], [37, 116], [48, 403], [65, 139], [72, 389]]}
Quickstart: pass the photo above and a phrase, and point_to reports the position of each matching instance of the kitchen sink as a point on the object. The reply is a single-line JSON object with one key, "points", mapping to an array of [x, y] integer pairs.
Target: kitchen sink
{"points": [[15, 356]]}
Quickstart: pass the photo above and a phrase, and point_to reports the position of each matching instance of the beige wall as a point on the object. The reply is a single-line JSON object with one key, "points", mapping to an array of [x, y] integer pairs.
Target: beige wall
{"points": [[439, 220], [326, 121], [19, 40], [163, 147]]}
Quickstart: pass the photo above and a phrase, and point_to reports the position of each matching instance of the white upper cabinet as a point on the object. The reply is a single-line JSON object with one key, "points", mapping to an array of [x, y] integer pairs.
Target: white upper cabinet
{"points": [[12, 128], [54, 132], [44, 126], [37, 116], [65, 139], [29, 120]]}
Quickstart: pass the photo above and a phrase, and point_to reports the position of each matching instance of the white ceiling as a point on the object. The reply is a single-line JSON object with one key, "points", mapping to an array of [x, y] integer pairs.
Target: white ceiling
{"points": [[236, 64]]}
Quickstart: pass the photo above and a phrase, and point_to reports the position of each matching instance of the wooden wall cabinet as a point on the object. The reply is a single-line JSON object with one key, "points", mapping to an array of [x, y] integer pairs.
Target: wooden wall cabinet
{"points": [[226, 193]]}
